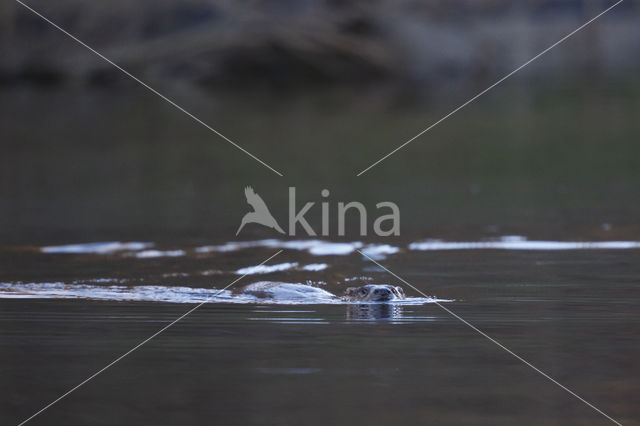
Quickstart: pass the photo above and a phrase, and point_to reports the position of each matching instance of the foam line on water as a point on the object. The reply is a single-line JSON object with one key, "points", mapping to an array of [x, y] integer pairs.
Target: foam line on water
{"points": [[520, 243], [106, 247], [266, 269], [315, 247], [157, 293]]}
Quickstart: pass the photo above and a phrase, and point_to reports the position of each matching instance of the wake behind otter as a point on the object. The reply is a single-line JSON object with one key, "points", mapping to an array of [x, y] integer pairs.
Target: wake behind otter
{"points": [[262, 292]]}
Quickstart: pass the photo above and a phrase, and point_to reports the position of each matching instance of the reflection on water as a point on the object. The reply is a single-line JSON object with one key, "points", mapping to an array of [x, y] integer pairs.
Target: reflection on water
{"points": [[560, 164], [372, 312], [561, 168], [571, 313], [392, 313]]}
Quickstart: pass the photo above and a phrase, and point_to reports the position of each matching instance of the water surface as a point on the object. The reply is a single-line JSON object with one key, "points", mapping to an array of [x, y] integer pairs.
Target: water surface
{"points": [[572, 313], [117, 215]]}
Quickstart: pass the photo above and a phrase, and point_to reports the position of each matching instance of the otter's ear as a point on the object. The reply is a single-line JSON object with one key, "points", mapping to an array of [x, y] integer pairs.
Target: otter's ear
{"points": [[400, 291], [351, 291]]}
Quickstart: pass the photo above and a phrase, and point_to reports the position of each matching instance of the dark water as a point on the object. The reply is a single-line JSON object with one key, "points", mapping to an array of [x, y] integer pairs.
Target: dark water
{"points": [[120, 164], [572, 314], [560, 164]]}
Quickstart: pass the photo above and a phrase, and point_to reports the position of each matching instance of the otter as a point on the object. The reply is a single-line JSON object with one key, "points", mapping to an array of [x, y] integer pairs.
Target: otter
{"points": [[374, 293], [287, 292], [300, 293]]}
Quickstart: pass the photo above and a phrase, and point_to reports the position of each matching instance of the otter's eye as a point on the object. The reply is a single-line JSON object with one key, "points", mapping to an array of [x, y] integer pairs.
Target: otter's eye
{"points": [[363, 291]]}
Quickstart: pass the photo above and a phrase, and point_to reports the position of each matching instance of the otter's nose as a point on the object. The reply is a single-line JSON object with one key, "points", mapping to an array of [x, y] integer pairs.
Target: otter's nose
{"points": [[382, 291]]}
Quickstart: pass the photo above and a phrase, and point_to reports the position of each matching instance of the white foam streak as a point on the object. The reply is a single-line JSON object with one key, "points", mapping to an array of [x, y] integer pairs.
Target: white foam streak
{"points": [[315, 267], [315, 247], [521, 244], [266, 269], [379, 251], [146, 254], [96, 248]]}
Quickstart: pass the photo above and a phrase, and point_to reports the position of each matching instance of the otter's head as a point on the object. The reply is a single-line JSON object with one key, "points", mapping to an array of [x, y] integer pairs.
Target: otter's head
{"points": [[374, 293]]}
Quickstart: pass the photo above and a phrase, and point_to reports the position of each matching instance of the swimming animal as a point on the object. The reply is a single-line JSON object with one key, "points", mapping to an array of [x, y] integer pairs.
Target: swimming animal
{"points": [[374, 293], [292, 292], [289, 292], [260, 213]]}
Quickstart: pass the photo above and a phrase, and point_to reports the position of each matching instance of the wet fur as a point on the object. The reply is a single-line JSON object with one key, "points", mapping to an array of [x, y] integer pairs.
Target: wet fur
{"points": [[374, 293]]}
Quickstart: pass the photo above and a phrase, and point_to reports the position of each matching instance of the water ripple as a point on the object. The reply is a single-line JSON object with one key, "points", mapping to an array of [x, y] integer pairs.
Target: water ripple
{"points": [[292, 295]]}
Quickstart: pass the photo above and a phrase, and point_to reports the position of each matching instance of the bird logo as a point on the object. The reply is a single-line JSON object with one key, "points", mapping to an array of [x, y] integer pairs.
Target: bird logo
{"points": [[260, 213]]}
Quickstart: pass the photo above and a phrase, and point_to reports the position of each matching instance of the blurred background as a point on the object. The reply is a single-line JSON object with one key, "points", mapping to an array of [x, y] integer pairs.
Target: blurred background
{"points": [[319, 90]]}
